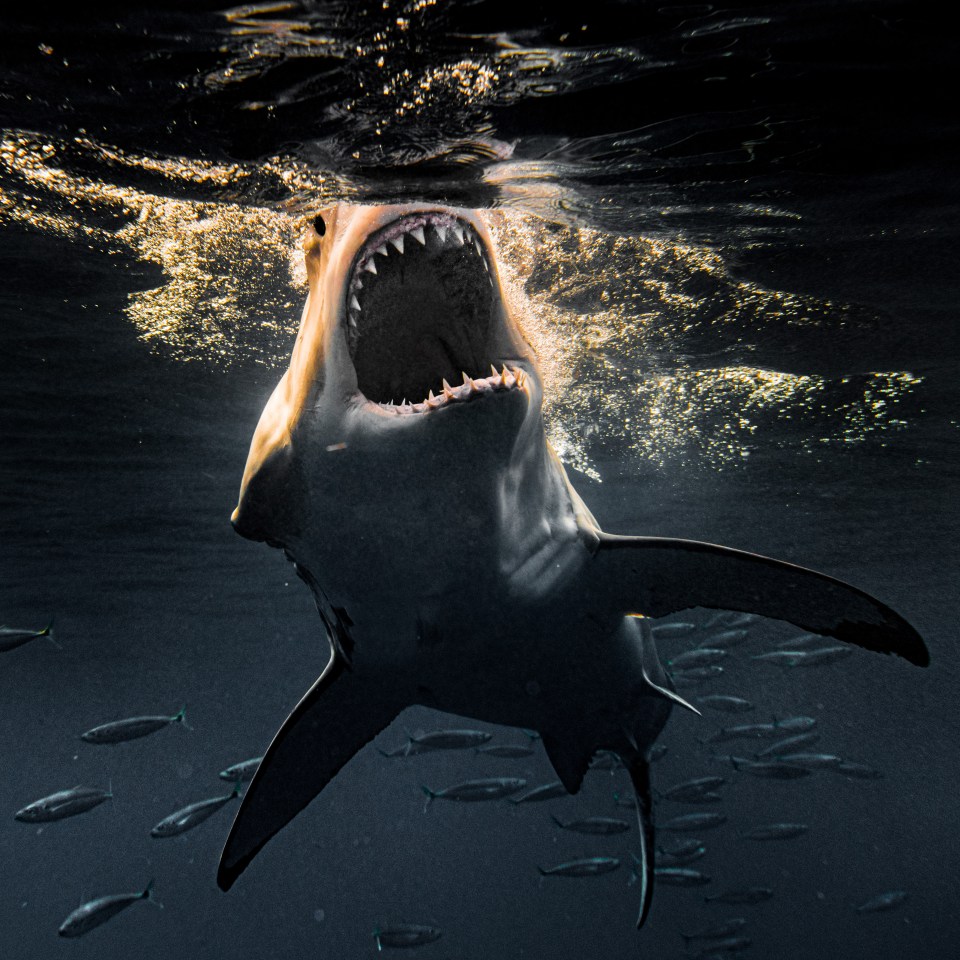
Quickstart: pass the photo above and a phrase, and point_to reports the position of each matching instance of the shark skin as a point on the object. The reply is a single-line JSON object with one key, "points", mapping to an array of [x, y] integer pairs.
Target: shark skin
{"points": [[452, 563]]}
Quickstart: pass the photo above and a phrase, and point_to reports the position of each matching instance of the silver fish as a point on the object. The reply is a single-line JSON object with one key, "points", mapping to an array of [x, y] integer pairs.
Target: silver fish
{"points": [[665, 631], [585, 867], [787, 745], [727, 639], [725, 703], [62, 804], [859, 770], [192, 816], [683, 853], [745, 731], [726, 947], [241, 772], [95, 912], [405, 935], [769, 769], [133, 728], [776, 831], [604, 826], [469, 791], [13, 637], [546, 791], [717, 933], [812, 761], [694, 676], [680, 877], [698, 657], [884, 901], [690, 791], [794, 724], [509, 751], [694, 821], [804, 658], [730, 620]]}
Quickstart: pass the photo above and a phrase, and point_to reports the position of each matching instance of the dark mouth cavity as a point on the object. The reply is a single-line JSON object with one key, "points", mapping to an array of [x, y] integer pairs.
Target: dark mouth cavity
{"points": [[419, 314]]}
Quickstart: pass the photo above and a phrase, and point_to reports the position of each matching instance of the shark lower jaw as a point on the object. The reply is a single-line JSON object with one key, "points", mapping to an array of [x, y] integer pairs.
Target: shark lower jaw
{"points": [[422, 315]]}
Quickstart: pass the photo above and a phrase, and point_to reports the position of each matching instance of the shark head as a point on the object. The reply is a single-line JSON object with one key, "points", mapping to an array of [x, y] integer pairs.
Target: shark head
{"points": [[408, 374]]}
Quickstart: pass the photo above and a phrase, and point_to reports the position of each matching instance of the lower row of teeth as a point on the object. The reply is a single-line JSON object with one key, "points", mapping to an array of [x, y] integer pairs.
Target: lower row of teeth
{"points": [[468, 390]]}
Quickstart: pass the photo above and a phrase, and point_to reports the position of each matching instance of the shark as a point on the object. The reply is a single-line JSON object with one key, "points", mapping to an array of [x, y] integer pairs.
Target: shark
{"points": [[402, 465]]}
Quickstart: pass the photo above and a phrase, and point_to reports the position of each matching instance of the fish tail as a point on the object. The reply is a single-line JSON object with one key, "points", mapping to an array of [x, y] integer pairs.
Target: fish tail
{"points": [[376, 937], [557, 821], [47, 632], [148, 894], [532, 734], [542, 872], [429, 794], [181, 717], [236, 790]]}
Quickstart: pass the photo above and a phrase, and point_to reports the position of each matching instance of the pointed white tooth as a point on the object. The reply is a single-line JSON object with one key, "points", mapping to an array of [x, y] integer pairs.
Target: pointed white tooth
{"points": [[493, 370], [448, 391], [521, 376], [431, 397], [466, 379], [370, 266], [390, 402], [418, 233], [383, 251], [458, 233], [441, 232], [397, 242], [353, 322], [357, 284], [355, 304], [476, 243]]}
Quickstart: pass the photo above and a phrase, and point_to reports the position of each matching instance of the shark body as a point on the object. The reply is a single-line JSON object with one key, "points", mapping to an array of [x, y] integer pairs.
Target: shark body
{"points": [[402, 465]]}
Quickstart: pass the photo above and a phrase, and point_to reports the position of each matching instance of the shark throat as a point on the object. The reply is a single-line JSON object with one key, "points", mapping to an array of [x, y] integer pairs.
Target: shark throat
{"points": [[421, 309]]}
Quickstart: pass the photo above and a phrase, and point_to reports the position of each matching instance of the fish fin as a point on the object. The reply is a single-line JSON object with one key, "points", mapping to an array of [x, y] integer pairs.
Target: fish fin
{"points": [[650, 663], [337, 716], [570, 760], [658, 576], [640, 776]]}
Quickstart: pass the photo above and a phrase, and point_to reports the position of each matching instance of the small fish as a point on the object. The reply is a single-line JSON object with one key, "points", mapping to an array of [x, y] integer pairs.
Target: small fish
{"points": [[694, 821], [794, 724], [745, 731], [699, 657], [805, 658], [812, 761], [884, 901], [666, 631], [546, 791], [680, 877], [440, 740], [769, 769], [727, 929], [13, 637], [62, 804], [192, 815], [725, 703], [469, 791], [690, 791], [241, 772], [94, 912], [406, 935], [727, 638], [133, 728], [859, 770], [585, 867], [726, 946], [776, 831], [683, 853], [510, 751], [604, 826], [788, 745], [741, 895], [694, 676]]}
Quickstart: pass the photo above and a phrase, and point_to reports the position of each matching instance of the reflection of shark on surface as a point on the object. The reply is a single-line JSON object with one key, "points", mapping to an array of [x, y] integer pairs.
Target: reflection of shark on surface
{"points": [[452, 562]]}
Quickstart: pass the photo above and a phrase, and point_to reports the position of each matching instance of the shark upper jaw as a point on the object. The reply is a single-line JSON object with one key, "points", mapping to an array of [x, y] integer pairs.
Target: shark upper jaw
{"points": [[421, 315]]}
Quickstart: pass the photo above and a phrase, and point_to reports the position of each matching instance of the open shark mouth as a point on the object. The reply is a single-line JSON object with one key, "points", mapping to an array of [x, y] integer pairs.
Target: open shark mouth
{"points": [[421, 313]]}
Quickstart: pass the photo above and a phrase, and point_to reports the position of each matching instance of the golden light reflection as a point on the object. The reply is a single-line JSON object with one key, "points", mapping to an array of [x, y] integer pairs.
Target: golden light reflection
{"points": [[644, 343]]}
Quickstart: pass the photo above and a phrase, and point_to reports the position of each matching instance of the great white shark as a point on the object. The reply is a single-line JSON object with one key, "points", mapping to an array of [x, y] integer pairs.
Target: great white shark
{"points": [[402, 465]]}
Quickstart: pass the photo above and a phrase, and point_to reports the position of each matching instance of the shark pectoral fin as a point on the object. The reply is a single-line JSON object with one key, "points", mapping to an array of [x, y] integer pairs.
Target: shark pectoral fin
{"points": [[569, 758], [337, 716], [640, 775], [656, 576]]}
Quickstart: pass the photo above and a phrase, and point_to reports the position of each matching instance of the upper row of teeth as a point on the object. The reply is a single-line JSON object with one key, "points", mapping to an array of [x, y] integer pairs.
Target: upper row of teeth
{"points": [[369, 263], [468, 390]]}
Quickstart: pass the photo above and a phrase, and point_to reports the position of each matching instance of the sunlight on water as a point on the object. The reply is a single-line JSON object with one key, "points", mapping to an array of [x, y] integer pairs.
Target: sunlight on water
{"points": [[644, 343]]}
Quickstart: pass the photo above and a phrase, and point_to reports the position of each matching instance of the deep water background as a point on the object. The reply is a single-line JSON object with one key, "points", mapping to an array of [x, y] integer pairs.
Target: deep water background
{"points": [[804, 144]]}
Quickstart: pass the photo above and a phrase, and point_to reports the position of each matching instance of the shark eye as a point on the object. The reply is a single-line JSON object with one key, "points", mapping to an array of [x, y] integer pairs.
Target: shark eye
{"points": [[319, 225]]}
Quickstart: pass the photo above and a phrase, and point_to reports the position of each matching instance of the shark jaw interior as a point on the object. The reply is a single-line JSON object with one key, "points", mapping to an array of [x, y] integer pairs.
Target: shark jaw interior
{"points": [[421, 314]]}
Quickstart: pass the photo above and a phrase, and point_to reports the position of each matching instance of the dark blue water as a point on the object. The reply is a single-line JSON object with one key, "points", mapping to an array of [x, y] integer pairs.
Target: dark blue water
{"points": [[732, 232]]}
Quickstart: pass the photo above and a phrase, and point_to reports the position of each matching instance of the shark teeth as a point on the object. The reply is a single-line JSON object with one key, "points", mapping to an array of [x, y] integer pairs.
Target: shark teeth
{"points": [[471, 389]]}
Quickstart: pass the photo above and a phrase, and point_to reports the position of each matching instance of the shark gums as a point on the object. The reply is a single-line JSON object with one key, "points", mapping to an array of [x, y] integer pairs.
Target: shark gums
{"points": [[401, 463]]}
